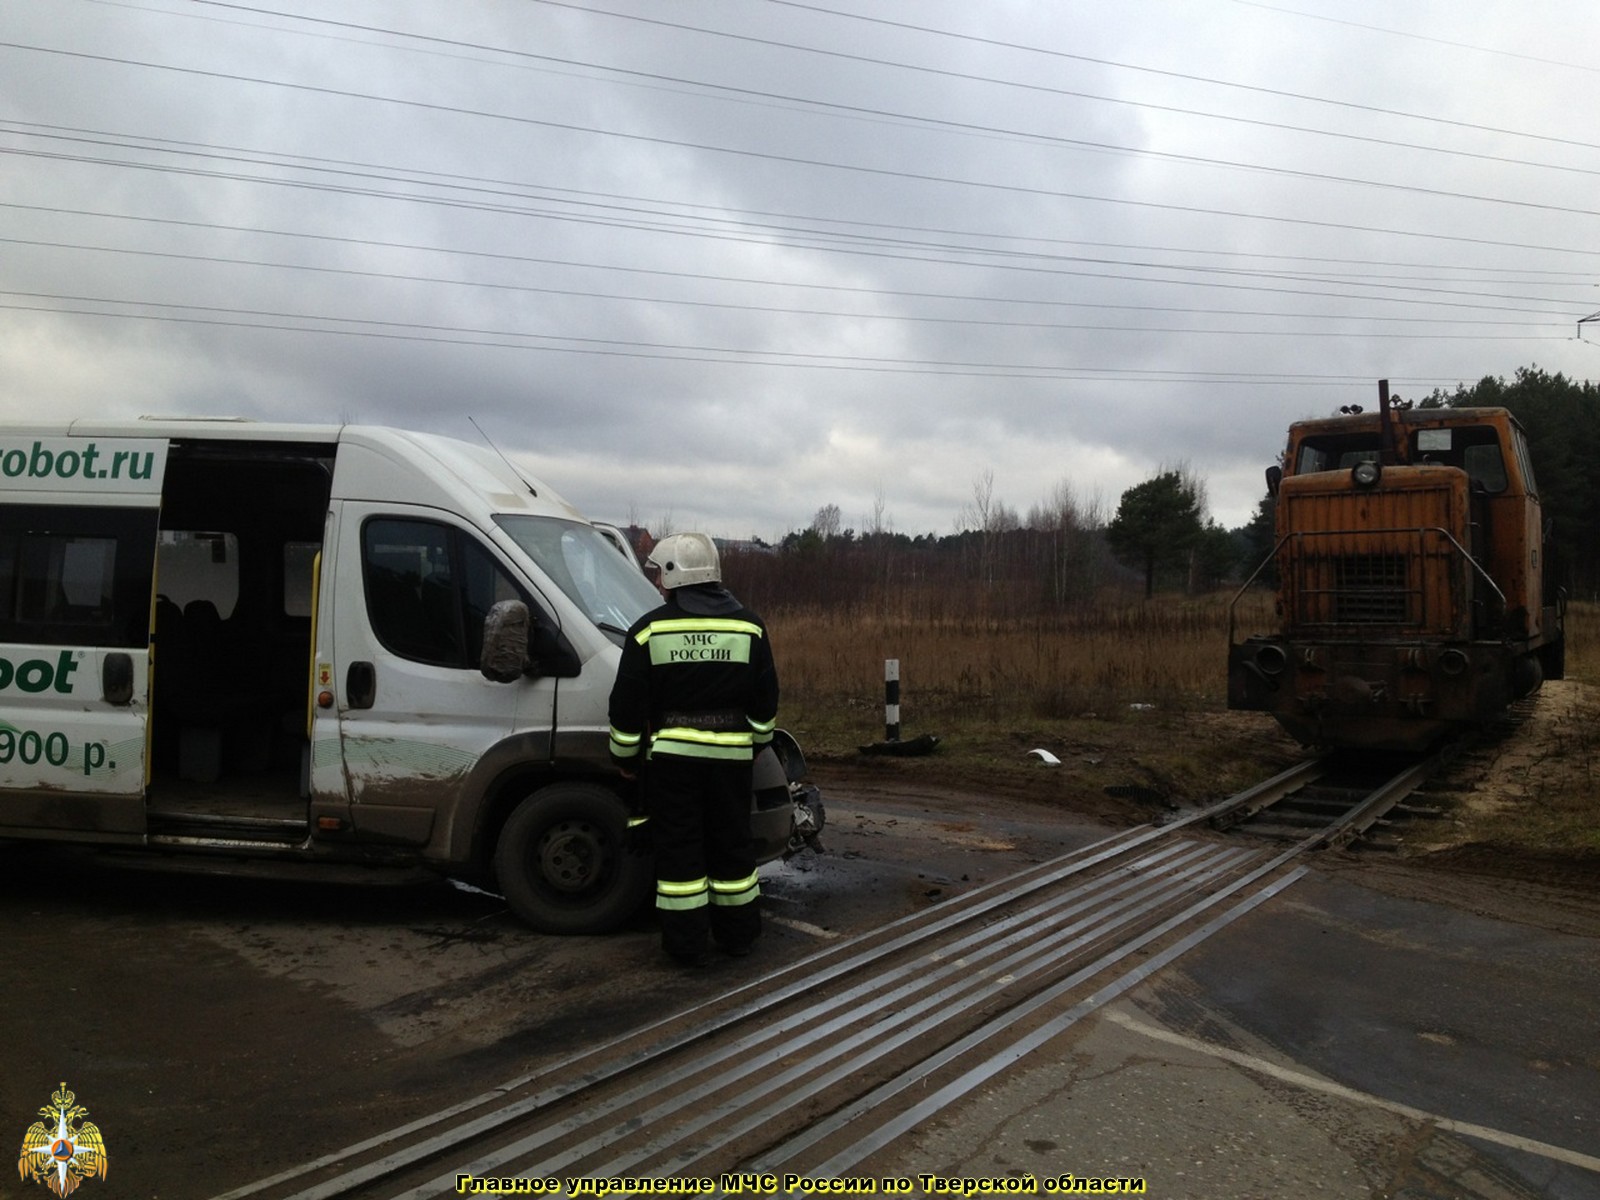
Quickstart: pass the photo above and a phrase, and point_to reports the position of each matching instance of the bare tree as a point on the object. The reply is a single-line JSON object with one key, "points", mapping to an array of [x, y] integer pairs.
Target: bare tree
{"points": [[826, 523], [990, 518], [876, 523], [975, 516]]}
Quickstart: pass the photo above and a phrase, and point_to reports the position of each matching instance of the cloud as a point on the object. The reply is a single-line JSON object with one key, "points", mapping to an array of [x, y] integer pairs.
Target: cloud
{"points": [[732, 264]]}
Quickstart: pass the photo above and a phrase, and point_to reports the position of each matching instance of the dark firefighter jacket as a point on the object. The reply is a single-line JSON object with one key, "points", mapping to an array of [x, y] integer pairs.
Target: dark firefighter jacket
{"points": [[696, 680]]}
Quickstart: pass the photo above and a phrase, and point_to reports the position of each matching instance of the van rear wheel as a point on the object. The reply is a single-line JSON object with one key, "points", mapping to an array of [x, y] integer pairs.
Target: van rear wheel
{"points": [[563, 864]]}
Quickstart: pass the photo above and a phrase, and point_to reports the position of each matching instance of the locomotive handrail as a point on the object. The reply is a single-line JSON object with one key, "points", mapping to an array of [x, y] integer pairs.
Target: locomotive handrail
{"points": [[1420, 529], [1466, 554], [1245, 586]]}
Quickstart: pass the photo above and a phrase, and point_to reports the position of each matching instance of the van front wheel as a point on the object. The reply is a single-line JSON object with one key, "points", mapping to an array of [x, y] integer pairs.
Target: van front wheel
{"points": [[563, 864]]}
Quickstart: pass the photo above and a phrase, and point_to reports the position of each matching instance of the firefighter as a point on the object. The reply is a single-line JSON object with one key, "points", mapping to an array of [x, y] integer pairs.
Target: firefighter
{"points": [[696, 698]]}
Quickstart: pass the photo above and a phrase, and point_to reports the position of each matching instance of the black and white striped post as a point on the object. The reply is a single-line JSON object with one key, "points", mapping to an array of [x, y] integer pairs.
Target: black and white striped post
{"points": [[923, 744], [891, 699]]}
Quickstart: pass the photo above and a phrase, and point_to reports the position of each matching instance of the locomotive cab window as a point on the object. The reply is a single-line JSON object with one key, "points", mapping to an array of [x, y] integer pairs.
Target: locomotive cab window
{"points": [[1335, 453], [1519, 447], [1476, 450]]}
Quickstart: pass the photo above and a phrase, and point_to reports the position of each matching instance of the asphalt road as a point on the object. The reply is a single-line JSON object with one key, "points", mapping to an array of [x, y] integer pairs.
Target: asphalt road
{"points": [[1336, 1042]]}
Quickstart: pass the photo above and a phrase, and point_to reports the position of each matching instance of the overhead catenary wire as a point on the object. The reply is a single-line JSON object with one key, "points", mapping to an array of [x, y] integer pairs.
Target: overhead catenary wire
{"points": [[403, 331], [1185, 76], [658, 207], [794, 160], [1481, 304], [1046, 302], [433, 43]]}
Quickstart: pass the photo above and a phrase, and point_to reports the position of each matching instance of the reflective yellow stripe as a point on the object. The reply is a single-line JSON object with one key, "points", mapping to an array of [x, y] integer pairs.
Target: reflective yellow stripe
{"points": [[683, 903], [682, 887], [696, 625], [679, 895], [729, 893], [705, 737], [703, 743], [623, 745], [765, 727], [695, 750]]}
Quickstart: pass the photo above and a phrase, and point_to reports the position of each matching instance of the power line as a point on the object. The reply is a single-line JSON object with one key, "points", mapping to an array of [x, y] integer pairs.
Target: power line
{"points": [[673, 352], [858, 249], [590, 265], [1419, 37], [653, 205], [1277, 93], [858, 111], [797, 160], [841, 236], [775, 310]]}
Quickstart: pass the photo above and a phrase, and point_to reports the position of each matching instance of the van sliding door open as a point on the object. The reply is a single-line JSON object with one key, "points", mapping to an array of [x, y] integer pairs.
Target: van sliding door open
{"points": [[78, 521]]}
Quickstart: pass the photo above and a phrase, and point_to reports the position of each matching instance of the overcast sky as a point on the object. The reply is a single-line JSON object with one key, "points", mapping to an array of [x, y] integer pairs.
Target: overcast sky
{"points": [[718, 263]]}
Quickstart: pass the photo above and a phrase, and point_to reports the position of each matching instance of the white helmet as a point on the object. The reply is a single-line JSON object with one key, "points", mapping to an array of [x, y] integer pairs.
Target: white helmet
{"points": [[685, 558]]}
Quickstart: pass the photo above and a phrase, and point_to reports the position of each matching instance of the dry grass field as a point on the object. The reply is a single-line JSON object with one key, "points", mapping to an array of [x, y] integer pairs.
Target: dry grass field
{"points": [[1124, 693], [1168, 652]]}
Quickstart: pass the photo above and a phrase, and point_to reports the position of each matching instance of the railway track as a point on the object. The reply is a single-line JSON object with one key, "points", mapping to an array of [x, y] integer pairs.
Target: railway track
{"points": [[1343, 798], [815, 1067]]}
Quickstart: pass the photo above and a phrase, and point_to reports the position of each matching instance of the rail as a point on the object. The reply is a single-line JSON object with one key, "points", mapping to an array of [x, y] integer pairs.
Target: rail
{"points": [[825, 1062]]}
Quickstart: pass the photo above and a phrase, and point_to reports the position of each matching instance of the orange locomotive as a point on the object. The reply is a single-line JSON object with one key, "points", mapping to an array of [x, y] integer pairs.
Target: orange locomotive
{"points": [[1415, 594]]}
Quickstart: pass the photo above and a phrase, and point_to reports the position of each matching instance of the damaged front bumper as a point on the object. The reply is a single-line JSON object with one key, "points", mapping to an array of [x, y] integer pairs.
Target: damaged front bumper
{"points": [[788, 813]]}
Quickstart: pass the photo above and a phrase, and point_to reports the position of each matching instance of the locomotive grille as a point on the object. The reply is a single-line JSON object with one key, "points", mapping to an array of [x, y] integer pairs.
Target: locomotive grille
{"points": [[1358, 562], [1370, 589]]}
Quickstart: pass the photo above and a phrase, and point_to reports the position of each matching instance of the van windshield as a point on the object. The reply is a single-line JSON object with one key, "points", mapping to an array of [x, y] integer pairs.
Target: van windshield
{"points": [[594, 573]]}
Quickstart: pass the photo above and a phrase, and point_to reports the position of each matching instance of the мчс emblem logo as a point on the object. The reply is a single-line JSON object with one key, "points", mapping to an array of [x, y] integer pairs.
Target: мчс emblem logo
{"points": [[62, 1150]]}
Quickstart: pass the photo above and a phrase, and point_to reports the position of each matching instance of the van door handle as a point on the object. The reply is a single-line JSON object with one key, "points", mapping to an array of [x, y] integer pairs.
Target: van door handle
{"points": [[360, 685], [116, 677]]}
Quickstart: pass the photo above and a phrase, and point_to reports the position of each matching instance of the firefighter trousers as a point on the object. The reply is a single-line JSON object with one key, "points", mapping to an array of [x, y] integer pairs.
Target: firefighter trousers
{"points": [[706, 883]]}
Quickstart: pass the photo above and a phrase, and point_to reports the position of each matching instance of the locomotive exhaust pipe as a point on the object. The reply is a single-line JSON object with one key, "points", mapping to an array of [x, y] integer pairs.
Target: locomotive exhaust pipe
{"points": [[1388, 453]]}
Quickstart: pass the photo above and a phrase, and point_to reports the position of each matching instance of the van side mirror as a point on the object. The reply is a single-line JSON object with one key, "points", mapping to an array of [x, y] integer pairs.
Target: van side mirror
{"points": [[505, 642], [1274, 478]]}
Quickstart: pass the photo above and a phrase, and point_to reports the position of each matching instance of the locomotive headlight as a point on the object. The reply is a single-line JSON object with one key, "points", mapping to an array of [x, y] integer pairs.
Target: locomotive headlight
{"points": [[1366, 474], [1452, 662], [1271, 660]]}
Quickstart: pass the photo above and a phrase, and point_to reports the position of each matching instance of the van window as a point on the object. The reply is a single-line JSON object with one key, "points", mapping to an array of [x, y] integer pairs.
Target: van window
{"points": [[197, 564], [76, 576], [299, 563], [429, 587], [579, 559]]}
